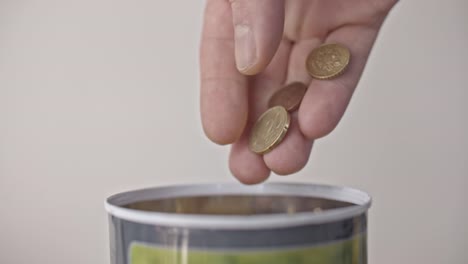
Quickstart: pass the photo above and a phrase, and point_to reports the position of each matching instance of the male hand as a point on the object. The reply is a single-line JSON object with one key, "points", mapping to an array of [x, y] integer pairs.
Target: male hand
{"points": [[251, 48]]}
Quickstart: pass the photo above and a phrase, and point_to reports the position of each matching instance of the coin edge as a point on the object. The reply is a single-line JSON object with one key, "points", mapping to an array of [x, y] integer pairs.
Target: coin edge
{"points": [[283, 88]]}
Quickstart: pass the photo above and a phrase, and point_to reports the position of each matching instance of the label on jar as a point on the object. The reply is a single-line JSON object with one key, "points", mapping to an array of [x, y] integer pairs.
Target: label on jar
{"points": [[351, 251]]}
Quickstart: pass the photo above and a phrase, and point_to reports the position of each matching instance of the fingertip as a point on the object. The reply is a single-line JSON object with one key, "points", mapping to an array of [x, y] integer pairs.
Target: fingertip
{"points": [[317, 120], [252, 55], [292, 154], [249, 179], [258, 66], [220, 136], [283, 167], [247, 167], [219, 131], [322, 108], [252, 69], [258, 30], [223, 108]]}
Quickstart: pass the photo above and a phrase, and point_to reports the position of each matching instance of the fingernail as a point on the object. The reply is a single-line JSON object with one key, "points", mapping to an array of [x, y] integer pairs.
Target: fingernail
{"points": [[245, 50]]}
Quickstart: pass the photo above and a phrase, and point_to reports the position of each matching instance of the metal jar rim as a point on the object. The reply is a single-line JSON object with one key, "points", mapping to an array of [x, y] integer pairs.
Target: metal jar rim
{"points": [[361, 202]]}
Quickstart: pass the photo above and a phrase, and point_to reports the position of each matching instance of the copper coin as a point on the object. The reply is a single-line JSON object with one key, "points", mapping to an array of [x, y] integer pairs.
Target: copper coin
{"points": [[328, 61], [289, 97]]}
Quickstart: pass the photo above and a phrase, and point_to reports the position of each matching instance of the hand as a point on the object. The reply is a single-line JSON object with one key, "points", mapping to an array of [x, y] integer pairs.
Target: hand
{"points": [[251, 48]]}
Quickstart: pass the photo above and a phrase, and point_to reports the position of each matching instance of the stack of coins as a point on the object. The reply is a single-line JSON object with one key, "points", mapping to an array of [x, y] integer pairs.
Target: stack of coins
{"points": [[324, 62]]}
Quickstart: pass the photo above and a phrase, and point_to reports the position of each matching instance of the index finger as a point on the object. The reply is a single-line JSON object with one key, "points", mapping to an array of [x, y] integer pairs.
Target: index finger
{"points": [[223, 91]]}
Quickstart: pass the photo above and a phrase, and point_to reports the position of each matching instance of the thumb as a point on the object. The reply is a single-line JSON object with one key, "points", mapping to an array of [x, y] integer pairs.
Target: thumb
{"points": [[258, 29]]}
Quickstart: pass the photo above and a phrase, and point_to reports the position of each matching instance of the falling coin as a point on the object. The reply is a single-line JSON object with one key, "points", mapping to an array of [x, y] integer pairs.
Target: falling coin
{"points": [[317, 210], [269, 130], [289, 97], [328, 61]]}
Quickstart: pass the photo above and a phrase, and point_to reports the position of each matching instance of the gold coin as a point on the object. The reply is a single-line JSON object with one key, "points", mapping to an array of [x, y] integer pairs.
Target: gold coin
{"points": [[289, 97], [269, 130], [327, 61]]}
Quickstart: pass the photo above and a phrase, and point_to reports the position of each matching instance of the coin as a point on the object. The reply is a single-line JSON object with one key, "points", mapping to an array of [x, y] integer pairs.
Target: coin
{"points": [[317, 210], [327, 61], [269, 130], [289, 97]]}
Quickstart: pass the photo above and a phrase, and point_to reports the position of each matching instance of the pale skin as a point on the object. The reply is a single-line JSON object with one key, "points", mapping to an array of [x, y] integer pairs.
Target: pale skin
{"points": [[252, 48]]}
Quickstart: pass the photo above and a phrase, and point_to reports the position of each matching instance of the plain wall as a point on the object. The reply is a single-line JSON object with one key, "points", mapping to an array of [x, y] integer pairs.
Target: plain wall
{"points": [[101, 96]]}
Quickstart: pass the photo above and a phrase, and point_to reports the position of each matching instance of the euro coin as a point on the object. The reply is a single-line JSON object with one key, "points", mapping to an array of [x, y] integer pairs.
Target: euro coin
{"points": [[289, 97], [328, 61], [269, 130]]}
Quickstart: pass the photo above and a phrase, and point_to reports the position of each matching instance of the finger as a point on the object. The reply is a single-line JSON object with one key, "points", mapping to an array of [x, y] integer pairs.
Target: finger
{"points": [[223, 95], [304, 26], [247, 166], [258, 29], [326, 100], [292, 154], [297, 71]]}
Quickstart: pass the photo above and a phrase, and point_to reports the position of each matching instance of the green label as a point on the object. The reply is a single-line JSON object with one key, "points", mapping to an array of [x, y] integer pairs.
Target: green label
{"points": [[351, 251]]}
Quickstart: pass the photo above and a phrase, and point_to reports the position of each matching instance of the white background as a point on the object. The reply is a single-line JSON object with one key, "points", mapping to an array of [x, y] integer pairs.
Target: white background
{"points": [[101, 96]]}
